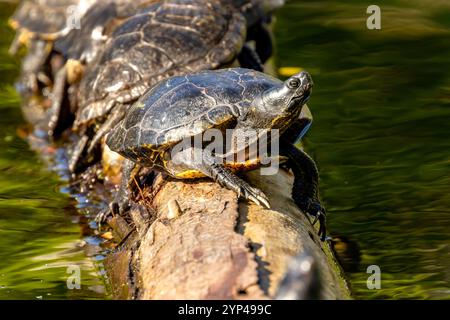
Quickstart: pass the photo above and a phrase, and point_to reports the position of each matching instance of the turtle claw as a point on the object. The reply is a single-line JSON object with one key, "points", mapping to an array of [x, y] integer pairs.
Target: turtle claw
{"points": [[115, 208], [321, 217], [260, 202], [256, 196], [266, 203], [228, 179], [103, 216], [316, 218], [314, 209]]}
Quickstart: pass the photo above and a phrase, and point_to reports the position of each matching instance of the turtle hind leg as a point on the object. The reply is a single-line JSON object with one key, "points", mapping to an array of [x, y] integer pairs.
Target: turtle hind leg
{"points": [[305, 191], [78, 150], [87, 146], [121, 201], [248, 58], [116, 114], [15, 45], [199, 159]]}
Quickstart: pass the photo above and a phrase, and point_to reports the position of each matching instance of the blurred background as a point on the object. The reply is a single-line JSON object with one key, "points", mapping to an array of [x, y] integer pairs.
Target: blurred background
{"points": [[381, 138]]}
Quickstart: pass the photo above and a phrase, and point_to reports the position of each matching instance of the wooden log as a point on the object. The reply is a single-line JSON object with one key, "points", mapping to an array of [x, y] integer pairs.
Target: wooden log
{"points": [[195, 240]]}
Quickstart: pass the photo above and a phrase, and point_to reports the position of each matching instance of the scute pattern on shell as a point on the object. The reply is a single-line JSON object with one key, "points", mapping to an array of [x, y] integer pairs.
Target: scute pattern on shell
{"points": [[78, 43], [185, 106], [173, 37]]}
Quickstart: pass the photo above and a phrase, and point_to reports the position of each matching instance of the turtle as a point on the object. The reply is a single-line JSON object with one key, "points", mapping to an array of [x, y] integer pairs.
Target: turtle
{"points": [[171, 37], [236, 99], [81, 45], [38, 24]]}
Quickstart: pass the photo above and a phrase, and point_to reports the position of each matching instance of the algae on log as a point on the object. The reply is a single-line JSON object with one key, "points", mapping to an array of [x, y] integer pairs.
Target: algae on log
{"points": [[199, 242]]}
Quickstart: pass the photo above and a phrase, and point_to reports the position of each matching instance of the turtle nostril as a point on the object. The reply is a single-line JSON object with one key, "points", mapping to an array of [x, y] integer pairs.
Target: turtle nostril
{"points": [[306, 79]]}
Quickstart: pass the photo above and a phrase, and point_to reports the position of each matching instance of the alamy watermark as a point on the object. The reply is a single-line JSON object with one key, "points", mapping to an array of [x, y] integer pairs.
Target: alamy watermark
{"points": [[74, 279], [374, 20], [237, 146], [74, 15], [374, 280]]}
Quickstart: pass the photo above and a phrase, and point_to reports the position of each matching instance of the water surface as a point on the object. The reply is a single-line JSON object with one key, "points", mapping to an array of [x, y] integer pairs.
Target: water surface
{"points": [[40, 233], [381, 135]]}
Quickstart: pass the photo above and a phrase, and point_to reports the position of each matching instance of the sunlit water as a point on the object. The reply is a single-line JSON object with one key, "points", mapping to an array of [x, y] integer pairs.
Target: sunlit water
{"points": [[381, 134], [40, 235], [380, 137]]}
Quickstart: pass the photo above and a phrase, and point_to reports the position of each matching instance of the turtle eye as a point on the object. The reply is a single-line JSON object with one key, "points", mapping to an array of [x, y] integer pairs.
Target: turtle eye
{"points": [[294, 83]]}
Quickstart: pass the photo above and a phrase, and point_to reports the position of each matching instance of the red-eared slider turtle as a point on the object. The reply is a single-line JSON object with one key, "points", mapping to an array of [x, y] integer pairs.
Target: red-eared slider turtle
{"points": [[80, 46], [168, 38], [243, 100], [38, 24]]}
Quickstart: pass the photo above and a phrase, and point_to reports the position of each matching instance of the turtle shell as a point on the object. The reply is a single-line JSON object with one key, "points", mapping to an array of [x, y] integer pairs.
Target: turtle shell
{"points": [[168, 38], [79, 44], [98, 24], [185, 106], [46, 19]]}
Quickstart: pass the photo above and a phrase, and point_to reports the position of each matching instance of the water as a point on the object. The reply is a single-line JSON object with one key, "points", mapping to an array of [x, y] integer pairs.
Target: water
{"points": [[380, 137], [381, 134], [40, 231]]}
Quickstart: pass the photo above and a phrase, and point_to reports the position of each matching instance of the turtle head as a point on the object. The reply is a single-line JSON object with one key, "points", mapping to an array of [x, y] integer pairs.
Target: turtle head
{"points": [[298, 89], [282, 105]]}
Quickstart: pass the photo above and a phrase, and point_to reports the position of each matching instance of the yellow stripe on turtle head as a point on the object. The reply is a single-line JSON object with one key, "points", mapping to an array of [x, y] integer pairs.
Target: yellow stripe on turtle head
{"points": [[289, 71]]}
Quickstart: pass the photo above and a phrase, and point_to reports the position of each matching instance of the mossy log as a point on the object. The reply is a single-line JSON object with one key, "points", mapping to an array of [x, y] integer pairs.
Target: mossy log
{"points": [[195, 240]]}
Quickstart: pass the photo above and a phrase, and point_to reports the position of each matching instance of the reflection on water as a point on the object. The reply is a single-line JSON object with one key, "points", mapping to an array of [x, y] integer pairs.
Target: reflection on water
{"points": [[381, 134], [40, 234]]}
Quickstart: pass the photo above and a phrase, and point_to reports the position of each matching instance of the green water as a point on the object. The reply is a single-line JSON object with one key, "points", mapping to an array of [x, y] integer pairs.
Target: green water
{"points": [[40, 234], [380, 137], [381, 134]]}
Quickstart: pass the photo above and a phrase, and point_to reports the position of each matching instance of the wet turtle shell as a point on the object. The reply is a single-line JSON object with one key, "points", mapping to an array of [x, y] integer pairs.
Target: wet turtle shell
{"points": [[46, 19], [185, 106], [97, 23], [39, 23], [168, 38]]}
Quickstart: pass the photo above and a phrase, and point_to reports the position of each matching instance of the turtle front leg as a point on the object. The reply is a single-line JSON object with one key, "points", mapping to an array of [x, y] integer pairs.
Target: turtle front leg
{"points": [[226, 178], [114, 117], [203, 161], [121, 201], [77, 152], [32, 63], [54, 114], [305, 191]]}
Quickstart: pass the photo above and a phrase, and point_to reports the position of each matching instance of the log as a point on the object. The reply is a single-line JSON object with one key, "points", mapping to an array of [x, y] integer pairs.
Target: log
{"points": [[195, 240]]}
